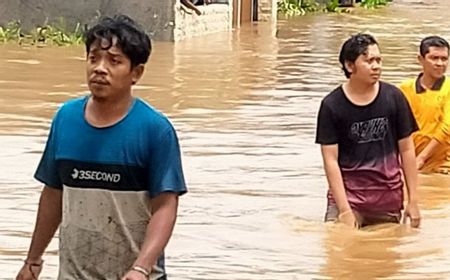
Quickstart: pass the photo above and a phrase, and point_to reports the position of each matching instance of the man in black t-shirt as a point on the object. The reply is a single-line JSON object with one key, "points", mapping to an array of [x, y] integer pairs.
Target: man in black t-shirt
{"points": [[364, 128]]}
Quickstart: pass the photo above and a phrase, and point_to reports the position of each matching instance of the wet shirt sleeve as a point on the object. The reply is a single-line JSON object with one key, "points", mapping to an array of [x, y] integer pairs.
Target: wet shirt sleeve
{"points": [[405, 121], [47, 168], [326, 132], [443, 133], [165, 168]]}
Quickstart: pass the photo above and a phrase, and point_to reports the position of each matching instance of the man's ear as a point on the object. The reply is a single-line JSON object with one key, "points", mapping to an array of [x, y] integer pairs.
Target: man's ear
{"points": [[349, 66], [420, 58], [137, 73]]}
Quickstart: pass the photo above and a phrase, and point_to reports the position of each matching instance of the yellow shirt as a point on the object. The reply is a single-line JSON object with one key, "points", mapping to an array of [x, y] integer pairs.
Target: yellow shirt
{"points": [[431, 108]]}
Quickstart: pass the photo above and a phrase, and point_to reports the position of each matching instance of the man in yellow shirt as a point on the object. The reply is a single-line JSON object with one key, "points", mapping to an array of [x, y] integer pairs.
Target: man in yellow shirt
{"points": [[429, 98]]}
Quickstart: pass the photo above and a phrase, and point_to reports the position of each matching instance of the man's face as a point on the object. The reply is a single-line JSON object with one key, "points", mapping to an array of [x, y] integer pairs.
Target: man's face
{"points": [[109, 72], [435, 62], [367, 67]]}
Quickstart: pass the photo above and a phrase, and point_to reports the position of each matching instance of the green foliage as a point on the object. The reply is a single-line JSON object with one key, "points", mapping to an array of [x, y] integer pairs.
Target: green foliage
{"points": [[297, 7], [372, 4], [54, 34], [302, 7], [332, 6], [10, 32]]}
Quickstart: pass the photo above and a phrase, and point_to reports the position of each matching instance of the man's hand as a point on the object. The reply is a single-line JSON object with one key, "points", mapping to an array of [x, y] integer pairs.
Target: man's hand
{"points": [[348, 218], [134, 275], [420, 162], [29, 272], [413, 213]]}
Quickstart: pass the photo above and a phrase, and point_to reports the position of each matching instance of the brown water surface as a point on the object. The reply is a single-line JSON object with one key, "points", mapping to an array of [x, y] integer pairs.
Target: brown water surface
{"points": [[244, 105]]}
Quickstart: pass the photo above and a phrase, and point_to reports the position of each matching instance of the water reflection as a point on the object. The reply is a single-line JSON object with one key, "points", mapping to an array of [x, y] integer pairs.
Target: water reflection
{"points": [[245, 107]]}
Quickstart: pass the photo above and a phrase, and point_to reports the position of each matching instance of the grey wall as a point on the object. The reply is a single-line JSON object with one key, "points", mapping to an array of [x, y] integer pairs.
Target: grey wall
{"points": [[156, 16]]}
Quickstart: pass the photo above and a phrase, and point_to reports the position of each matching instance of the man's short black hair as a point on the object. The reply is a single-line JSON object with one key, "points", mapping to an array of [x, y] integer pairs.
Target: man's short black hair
{"points": [[131, 38], [354, 47], [432, 41]]}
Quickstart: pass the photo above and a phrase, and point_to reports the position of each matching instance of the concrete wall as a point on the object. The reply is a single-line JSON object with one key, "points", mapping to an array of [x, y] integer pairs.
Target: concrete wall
{"points": [[214, 18], [156, 16], [165, 20], [267, 10]]}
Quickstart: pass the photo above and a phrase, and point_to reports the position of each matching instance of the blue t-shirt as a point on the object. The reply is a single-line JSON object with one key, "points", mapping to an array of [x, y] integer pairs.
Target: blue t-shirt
{"points": [[108, 176]]}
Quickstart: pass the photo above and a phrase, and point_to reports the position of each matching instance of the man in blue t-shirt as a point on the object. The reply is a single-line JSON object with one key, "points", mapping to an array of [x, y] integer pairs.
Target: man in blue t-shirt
{"points": [[111, 168]]}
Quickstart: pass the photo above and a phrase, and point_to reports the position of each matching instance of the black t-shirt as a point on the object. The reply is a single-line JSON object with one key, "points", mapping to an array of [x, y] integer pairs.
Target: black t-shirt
{"points": [[367, 138]]}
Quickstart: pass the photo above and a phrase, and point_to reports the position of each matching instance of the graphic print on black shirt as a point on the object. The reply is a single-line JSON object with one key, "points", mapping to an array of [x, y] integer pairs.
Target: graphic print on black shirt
{"points": [[370, 130]]}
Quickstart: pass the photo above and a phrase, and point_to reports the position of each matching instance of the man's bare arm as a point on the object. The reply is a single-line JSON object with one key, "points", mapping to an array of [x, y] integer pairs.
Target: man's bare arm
{"points": [[47, 222]]}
